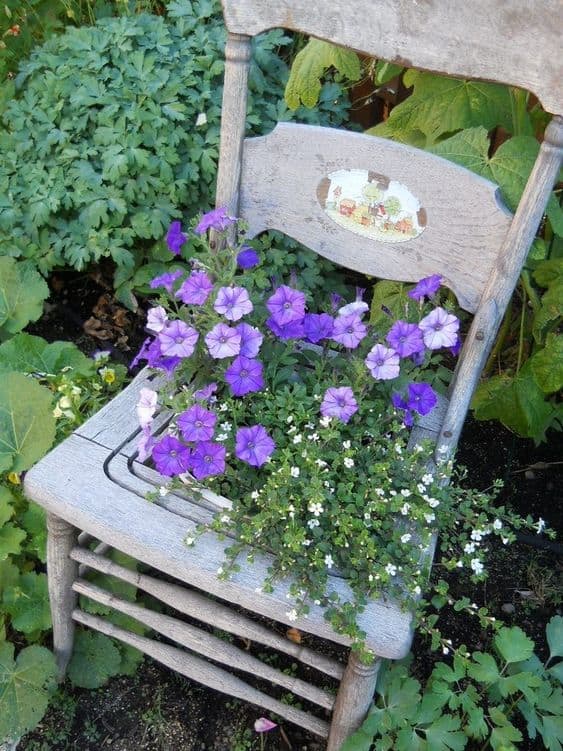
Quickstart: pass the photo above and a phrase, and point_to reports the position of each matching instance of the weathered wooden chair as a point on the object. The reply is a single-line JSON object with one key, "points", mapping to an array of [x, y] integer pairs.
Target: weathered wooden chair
{"points": [[295, 180]]}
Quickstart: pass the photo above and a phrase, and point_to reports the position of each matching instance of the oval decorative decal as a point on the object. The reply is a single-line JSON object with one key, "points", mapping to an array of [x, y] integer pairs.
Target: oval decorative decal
{"points": [[371, 205]]}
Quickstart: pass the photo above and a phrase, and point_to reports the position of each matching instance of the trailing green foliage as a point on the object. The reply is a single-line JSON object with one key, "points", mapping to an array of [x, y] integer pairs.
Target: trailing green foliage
{"points": [[472, 698]]}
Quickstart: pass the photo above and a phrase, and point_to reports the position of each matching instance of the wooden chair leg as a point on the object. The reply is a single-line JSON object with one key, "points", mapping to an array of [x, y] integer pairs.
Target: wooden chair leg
{"points": [[62, 572], [355, 696]]}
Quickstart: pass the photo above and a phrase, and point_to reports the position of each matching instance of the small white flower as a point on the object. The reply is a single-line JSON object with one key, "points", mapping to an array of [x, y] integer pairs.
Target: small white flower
{"points": [[312, 523], [421, 488], [219, 570], [348, 462], [469, 547], [309, 425], [226, 427], [292, 615], [428, 479], [222, 437], [406, 537], [505, 540], [297, 438], [316, 508], [201, 119], [320, 463], [405, 493], [433, 503], [418, 448], [391, 569], [477, 535], [189, 540], [405, 508], [294, 471], [429, 518], [476, 565], [313, 436], [325, 421], [291, 430], [497, 524], [398, 448], [379, 491], [225, 518], [307, 542], [445, 651], [254, 495], [163, 490], [328, 561], [346, 444], [417, 590], [540, 526], [289, 418], [223, 407], [459, 564]]}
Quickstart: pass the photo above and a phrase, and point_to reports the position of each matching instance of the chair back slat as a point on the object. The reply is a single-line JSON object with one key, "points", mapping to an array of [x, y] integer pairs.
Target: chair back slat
{"points": [[508, 42], [375, 206]]}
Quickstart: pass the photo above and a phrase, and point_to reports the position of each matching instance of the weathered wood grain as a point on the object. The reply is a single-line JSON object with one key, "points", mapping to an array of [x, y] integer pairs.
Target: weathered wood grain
{"points": [[196, 605], [466, 222], [204, 672], [513, 41]]}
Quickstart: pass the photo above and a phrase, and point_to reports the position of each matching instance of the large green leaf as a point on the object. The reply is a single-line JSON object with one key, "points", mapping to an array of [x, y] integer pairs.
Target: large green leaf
{"points": [[547, 364], [28, 603], [554, 633], [27, 425], [513, 644], [22, 292], [445, 734], [483, 668], [25, 686], [34, 522], [25, 353], [94, 661], [304, 84]]}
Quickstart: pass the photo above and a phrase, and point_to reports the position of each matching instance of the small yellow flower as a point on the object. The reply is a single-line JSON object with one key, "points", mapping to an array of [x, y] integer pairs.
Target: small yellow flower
{"points": [[14, 478], [108, 375]]}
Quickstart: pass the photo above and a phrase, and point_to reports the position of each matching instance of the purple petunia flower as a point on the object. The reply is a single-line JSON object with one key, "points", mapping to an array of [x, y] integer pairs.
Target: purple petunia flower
{"points": [[150, 351], [335, 301], [405, 338], [244, 376], [223, 341], [422, 398], [293, 330], [170, 456], [339, 403], [456, 349], [175, 238], [205, 393], [250, 339], [177, 339], [207, 458], [157, 319], [349, 330], [217, 219], [383, 363], [426, 287], [286, 305], [145, 444], [358, 306], [253, 445], [166, 280], [247, 257], [263, 725], [197, 423], [195, 289], [146, 406], [233, 303], [439, 329], [399, 403], [418, 357], [318, 326]]}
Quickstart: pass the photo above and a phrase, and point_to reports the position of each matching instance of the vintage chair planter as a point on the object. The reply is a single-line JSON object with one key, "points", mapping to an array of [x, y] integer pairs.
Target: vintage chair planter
{"points": [[92, 486]]}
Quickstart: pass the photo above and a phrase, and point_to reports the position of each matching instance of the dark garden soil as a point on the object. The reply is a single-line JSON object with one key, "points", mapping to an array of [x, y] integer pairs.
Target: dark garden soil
{"points": [[159, 710]]}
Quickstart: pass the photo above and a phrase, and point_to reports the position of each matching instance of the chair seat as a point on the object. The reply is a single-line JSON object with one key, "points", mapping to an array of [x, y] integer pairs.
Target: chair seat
{"points": [[93, 482]]}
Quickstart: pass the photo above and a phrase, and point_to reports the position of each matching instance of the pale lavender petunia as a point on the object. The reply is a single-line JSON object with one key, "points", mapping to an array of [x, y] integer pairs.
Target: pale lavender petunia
{"points": [[286, 305], [175, 238], [422, 398], [217, 219], [177, 339], [263, 725], [233, 303], [340, 403], [250, 339], [405, 338], [383, 363], [166, 280], [157, 318], [197, 423], [170, 456], [244, 376], [204, 394], [195, 289], [426, 287], [223, 341], [207, 459], [358, 306], [349, 330], [145, 444], [146, 406], [439, 329], [254, 445]]}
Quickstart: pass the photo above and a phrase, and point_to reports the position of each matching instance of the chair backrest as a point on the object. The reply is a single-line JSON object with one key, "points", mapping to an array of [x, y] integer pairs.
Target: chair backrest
{"points": [[331, 189]]}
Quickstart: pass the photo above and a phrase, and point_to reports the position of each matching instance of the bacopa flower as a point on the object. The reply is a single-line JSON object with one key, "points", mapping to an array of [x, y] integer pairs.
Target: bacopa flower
{"points": [[349, 330], [166, 280], [177, 339], [233, 303], [263, 725], [170, 456], [405, 338], [223, 341], [207, 459], [157, 319], [247, 257], [422, 398], [254, 445], [318, 326], [195, 289], [439, 329], [286, 305], [217, 219], [175, 238], [244, 376], [383, 363], [339, 403], [250, 339], [146, 406], [197, 423], [426, 287]]}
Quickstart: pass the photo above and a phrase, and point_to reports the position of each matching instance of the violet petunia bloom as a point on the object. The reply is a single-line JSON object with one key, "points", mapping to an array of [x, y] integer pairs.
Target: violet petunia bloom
{"points": [[197, 423], [456, 349], [335, 301], [339, 403], [178, 339], [426, 287], [233, 303], [207, 459], [150, 351], [247, 257], [358, 306], [439, 329], [223, 341], [145, 444], [250, 339], [318, 326], [217, 219], [175, 238], [293, 330], [253, 445], [419, 357], [205, 393], [286, 305], [170, 456], [157, 319], [195, 289], [422, 398], [383, 363], [349, 330], [244, 376], [146, 406], [166, 280], [399, 403], [405, 338], [263, 725]]}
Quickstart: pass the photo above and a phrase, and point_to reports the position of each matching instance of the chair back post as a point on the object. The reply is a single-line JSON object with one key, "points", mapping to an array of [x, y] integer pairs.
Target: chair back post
{"points": [[501, 284]]}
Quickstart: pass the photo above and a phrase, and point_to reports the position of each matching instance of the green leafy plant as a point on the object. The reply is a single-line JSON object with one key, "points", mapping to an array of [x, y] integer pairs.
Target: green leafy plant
{"points": [[22, 293]]}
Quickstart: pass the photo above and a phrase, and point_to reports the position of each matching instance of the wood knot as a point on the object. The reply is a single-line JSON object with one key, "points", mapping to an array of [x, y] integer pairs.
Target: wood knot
{"points": [[480, 335], [447, 433]]}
